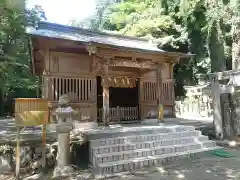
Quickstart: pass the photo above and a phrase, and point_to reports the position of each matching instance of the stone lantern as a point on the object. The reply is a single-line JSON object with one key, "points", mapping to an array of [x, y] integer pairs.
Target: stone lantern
{"points": [[64, 125]]}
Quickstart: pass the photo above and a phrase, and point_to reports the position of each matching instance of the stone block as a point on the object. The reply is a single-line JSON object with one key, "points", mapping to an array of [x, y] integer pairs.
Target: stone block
{"points": [[115, 149], [145, 163], [115, 169], [120, 168], [106, 150], [136, 165], [105, 159], [103, 142], [144, 154], [115, 158], [125, 167], [109, 170], [5, 163], [139, 154]]}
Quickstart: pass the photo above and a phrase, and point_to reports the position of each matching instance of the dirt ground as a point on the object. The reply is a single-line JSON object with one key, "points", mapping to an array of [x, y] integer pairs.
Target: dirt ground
{"points": [[209, 167]]}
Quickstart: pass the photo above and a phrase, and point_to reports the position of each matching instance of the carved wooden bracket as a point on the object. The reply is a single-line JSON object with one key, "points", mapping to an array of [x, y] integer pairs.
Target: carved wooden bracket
{"points": [[99, 62], [91, 49]]}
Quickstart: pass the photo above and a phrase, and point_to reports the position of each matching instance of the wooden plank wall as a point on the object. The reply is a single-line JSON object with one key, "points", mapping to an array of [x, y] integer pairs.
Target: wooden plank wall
{"points": [[70, 74], [147, 93]]}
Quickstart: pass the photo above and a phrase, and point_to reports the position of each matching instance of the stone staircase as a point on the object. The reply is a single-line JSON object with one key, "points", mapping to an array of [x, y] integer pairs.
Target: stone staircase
{"points": [[122, 150]]}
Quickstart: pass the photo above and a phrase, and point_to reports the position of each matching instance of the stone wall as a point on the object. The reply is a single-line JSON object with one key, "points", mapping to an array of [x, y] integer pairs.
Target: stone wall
{"points": [[30, 158], [195, 104]]}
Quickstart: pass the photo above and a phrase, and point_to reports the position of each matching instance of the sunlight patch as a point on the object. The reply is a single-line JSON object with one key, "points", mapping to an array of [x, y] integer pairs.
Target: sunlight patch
{"points": [[180, 176]]}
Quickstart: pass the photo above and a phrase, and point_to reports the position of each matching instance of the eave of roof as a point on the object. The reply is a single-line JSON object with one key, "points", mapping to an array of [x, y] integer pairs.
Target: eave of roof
{"points": [[58, 31]]}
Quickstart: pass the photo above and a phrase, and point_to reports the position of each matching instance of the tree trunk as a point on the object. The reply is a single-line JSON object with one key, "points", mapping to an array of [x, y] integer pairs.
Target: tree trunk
{"points": [[1, 102], [235, 65], [218, 64]]}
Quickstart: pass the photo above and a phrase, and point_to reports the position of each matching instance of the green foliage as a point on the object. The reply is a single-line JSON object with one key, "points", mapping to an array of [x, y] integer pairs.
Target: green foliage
{"points": [[15, 71], [177, 25], [202, 27], [95, 22], [206, 28]]}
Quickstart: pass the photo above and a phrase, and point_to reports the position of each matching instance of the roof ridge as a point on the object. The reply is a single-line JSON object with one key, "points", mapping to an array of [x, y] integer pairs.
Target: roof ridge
{"points": [[60, 27]]}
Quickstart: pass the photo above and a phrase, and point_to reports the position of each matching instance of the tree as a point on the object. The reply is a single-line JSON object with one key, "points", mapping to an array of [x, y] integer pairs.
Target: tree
{"points": [[234, 11], [96, 21], [174, 24], [14, 51]]}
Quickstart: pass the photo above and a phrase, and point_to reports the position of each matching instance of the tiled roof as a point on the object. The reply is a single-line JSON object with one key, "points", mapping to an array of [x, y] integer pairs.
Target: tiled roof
{"points": [[52, 30]]}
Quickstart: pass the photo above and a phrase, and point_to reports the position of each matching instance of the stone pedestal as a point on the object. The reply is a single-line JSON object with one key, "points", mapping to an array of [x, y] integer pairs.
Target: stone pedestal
{"points": [[63, 129]]}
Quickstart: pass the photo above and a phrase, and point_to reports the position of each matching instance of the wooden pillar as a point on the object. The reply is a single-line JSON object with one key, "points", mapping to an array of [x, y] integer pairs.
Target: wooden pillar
{"points": [[159, 94], [171, 65], [46, 86], [38, 87], [105, 84], [217, 114]]}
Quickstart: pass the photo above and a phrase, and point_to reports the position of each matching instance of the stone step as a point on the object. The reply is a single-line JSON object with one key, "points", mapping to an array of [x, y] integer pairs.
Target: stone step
{"points": [[141, 138], [146, 144], [97, 134], [109, 169], [105, 145], [124, 155]]}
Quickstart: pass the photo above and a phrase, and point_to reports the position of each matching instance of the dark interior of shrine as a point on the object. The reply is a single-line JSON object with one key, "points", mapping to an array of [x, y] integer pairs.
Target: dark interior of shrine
{"points": [[118, 96], [122, 97]]}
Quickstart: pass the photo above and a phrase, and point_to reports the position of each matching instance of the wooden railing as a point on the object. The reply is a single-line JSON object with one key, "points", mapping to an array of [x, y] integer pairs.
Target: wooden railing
{"points": [[149, 91], [168, 92], [77, 88], [118, 114]]}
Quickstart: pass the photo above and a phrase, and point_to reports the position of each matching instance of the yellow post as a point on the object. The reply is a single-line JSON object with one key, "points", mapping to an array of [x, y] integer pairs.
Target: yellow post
{"points": [[160, 114], [17, 153]]}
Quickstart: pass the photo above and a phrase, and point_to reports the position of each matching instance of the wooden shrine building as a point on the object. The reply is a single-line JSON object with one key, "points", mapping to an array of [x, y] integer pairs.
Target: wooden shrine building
{"points": [[106, 76]]}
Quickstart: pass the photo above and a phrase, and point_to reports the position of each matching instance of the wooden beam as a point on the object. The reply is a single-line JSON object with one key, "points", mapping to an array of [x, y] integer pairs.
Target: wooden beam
{"points": [[117, 52], [105, 84], [146, 52], [129, 63], [51, 43]]}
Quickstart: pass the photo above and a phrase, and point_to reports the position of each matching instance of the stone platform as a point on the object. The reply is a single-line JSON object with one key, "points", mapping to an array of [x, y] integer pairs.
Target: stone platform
{"points": [[120, 149]]}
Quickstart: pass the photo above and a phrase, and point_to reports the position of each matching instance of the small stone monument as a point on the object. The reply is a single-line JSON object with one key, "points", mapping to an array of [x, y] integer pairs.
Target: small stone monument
{"points": [[64, 125]]}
